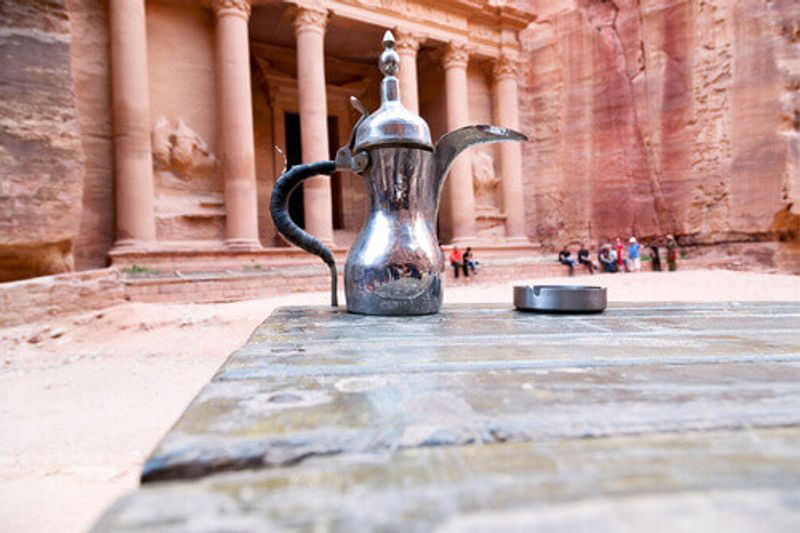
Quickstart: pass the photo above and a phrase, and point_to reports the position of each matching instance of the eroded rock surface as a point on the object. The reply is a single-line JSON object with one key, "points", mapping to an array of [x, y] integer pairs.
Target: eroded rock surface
{"points": [[651, 117], [41, 160]]}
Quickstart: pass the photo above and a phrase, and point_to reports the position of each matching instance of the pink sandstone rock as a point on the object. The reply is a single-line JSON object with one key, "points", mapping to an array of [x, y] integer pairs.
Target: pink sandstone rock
{"points": [[655, 116], [88, 21], [41, 161]]}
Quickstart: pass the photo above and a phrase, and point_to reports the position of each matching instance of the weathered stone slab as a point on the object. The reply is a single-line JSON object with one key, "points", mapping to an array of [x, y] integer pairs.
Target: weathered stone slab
{"points": [[482, 416], [335, 342], [280, 421], [747, 480], [320, 382]]}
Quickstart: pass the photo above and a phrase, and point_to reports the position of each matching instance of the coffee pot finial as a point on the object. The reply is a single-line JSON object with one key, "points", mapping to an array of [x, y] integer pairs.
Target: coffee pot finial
{"points": [[391, 125], [389, 62]]}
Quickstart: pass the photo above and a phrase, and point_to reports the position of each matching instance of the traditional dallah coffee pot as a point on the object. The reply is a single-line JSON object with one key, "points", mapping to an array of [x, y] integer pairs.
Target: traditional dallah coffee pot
{"points": [[395, 265]]}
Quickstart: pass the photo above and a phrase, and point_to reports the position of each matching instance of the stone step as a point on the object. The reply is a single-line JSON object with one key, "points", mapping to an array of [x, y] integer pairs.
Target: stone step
{"points": [[210, 257], [228, 286]]}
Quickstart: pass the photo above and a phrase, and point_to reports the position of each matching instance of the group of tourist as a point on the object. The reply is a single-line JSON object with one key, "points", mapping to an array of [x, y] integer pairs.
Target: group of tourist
{"points": [[463, 262], [611, 257], [617, 257]]}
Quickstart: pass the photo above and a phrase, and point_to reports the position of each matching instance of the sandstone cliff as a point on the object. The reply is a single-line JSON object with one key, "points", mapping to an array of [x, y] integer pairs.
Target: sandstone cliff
{"points": [[41, 162], [657, 116]]}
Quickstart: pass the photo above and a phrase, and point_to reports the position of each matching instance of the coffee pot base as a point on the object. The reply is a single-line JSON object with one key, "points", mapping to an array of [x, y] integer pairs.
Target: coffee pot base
{"points": [[399, 297]]}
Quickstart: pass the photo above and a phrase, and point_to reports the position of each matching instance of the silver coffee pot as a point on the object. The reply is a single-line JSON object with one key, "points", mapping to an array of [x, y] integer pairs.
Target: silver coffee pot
{"points": [[395, 266]]}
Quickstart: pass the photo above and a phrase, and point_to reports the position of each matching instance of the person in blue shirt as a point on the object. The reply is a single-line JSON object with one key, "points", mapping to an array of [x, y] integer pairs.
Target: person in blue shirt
{"points": [[633, 255]]}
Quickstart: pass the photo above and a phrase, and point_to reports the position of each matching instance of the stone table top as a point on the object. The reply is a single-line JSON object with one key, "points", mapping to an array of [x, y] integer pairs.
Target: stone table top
{"points": [[483, 417]]}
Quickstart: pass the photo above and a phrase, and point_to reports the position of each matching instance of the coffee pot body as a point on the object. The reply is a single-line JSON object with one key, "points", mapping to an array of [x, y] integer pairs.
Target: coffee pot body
{"points": [[395, 266]]}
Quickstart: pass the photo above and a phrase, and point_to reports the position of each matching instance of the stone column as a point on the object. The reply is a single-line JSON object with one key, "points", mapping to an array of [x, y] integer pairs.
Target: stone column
{"points": [[459, 183], [309, 27], [506, 111], [407, 47], [236, 143], [133, 156]]}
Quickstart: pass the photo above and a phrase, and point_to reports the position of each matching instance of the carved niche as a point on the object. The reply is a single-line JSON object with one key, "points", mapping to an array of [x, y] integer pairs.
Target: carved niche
{"points": [[484, 180], [490, 220], [180, 150]]}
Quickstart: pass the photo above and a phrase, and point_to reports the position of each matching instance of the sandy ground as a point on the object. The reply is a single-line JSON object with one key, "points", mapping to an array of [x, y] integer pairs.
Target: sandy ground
{"points": [[84, 403]]}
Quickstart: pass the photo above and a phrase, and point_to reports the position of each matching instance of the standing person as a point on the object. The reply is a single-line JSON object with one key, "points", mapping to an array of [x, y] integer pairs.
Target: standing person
{"points": [[620, 249], [655, 256], [672, 253], [456, 258], [583, 258], [633, 255], [565, 259]]}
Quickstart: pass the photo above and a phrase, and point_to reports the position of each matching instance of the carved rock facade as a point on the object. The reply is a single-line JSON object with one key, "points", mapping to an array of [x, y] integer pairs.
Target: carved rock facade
{"points": [[645, 117]]}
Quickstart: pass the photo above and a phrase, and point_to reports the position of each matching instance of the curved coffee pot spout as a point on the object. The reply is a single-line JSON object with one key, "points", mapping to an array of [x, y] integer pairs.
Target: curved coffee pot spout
{"points": [[453, 143]]}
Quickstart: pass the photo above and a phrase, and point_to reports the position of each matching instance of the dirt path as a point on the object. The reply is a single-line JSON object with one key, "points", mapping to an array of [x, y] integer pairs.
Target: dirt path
{"points": [[85, 398]]}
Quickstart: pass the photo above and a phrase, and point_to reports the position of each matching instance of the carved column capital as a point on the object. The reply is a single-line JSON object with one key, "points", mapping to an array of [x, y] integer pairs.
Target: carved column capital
{"points": [[407, 42], [236, 8], [505, 67], [456, 55], [310, 18]]}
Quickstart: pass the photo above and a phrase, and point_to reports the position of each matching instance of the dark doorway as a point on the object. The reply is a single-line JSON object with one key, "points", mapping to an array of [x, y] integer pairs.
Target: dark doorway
{"points": [[337, 183], [294, 156]]}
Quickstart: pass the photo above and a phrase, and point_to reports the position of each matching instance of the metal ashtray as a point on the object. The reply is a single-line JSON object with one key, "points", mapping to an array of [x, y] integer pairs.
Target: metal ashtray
{"points": [[560, 298]]}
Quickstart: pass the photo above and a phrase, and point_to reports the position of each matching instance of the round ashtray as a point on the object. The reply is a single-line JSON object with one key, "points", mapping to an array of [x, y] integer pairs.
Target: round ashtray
{"points": [[560, 298]]}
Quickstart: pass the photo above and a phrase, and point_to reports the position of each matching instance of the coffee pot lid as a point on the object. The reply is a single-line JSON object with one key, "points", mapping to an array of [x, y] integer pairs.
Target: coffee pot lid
{"points": [[392, 124]]}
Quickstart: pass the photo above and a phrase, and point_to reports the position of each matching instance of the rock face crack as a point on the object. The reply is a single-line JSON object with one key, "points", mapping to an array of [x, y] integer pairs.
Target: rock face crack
{"points": [[605, 18], [665, 220]]}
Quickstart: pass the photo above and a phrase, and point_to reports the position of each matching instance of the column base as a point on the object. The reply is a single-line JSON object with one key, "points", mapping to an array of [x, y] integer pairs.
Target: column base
{"points": [[466, 240], [133, 246], [522, 239], [242, 245], [326, 242]]}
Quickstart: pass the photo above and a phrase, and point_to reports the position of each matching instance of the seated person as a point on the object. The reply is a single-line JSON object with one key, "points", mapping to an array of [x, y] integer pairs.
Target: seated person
{"points": [[583, 259], [456, 260], [607, 261], [469, 263], [565, 259]]}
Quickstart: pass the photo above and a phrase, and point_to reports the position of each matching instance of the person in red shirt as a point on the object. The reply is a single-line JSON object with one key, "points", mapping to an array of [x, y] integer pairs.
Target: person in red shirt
{"points": [[456, 260], [620, 248]]}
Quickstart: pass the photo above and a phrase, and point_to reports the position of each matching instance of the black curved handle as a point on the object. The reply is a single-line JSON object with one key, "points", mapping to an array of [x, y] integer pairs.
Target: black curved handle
{"points": [[279, 209]]}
